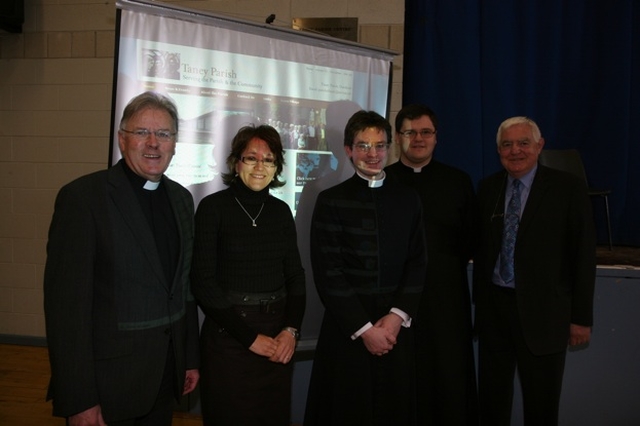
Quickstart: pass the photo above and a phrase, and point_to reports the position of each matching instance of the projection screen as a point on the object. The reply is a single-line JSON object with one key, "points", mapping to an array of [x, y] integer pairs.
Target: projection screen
{"points": [[224, 73]]}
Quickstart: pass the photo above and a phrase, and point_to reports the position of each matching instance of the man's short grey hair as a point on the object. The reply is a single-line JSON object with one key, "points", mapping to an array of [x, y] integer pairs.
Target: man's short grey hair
{"points": [[150, 100], [519, 120]]}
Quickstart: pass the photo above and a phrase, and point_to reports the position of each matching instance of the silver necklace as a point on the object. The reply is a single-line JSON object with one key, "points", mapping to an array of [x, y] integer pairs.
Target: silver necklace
{"points": [[253, 219]]}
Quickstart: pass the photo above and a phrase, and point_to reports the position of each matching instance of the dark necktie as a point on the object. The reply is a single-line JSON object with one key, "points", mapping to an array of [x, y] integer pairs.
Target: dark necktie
{"points": [[511, 222]]}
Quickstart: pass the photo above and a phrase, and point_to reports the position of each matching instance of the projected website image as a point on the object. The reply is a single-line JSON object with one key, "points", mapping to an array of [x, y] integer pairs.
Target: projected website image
{"points": [[162, 63], [218, 92], [205, 140], [224, 74], [312, 165], [202, 149]]}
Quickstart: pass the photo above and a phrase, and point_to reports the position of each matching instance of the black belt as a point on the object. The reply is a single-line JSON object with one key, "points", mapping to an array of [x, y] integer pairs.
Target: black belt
{"points": [[264, 302]]}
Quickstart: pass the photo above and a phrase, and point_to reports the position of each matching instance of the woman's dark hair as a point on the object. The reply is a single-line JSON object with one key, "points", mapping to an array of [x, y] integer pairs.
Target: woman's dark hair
{"points": [[239, 144]]}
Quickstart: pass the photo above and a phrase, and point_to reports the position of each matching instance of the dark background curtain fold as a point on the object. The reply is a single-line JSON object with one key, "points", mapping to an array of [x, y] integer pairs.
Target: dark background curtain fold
{"points": [[572, 66]]}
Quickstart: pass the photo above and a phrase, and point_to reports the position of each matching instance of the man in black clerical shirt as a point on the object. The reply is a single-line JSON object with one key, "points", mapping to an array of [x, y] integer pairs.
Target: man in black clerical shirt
{"points": [[121, 322], [445, 367]]}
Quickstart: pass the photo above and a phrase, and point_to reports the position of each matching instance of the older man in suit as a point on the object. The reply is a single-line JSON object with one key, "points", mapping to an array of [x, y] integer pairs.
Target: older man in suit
{"points": [[121, 322], [534, 277]]}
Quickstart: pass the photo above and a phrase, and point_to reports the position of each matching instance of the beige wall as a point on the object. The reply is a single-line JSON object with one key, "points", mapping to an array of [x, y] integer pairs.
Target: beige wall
{"points": [[55, 98]]}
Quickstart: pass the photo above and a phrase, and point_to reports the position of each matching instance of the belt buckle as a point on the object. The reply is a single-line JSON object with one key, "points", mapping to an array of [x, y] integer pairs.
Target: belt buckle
{"points": [[264, 306]]}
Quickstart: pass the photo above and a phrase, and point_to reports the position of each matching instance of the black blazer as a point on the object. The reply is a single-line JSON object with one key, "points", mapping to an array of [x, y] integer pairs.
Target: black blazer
{"points": [[554, 257], [110, 312]]}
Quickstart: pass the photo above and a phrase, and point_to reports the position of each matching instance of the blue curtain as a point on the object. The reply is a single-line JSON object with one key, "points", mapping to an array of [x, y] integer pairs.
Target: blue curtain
{"points": [[571, 65]]}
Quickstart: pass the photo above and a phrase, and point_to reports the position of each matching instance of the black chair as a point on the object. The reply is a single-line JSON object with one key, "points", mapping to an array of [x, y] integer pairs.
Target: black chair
{"points": [[570, 161]]}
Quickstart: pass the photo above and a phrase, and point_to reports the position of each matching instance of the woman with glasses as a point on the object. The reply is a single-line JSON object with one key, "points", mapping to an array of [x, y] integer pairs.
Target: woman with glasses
{"points": [[248, 279]]}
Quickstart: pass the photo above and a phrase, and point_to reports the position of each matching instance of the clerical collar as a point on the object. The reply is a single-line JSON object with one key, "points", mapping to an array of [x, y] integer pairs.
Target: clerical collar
{"points": [[136, 180], [415, 169], [373, 183], [151, 186]]}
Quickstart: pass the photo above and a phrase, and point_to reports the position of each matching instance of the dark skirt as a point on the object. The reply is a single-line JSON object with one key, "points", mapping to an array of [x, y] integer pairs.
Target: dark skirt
{"points": [[239, 387]]}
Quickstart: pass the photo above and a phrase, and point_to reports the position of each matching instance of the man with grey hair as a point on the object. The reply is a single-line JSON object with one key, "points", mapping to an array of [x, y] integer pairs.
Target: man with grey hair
{"points": [[534, 277], [122, 325]]}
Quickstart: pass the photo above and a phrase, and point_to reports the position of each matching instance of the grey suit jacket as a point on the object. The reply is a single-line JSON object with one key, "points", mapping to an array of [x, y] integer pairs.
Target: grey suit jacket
{"points": [[110, 312], [554, 257]]}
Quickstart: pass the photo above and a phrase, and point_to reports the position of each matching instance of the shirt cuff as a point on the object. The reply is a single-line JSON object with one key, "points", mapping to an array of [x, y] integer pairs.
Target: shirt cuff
{"points": [[364, 328], [406, 319]]}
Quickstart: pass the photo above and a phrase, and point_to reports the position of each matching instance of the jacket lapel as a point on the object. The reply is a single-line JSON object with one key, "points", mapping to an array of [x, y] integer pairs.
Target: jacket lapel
{"points": [[125, 200], [497, 215], [179, 213], [536, 195]]}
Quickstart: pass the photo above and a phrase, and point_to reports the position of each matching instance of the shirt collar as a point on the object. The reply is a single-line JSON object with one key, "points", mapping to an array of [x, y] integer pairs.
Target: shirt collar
{"points": [[526, 180], [373, 183], [151, 186], [136, 180]]}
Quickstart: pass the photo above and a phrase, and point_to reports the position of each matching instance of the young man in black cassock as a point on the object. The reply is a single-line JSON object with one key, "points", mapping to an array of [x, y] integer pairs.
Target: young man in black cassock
{"points": [[369, 261]]}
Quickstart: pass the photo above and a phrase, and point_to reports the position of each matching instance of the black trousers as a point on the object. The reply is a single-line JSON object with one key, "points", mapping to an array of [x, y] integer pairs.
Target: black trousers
{"points": [[502, 351]]}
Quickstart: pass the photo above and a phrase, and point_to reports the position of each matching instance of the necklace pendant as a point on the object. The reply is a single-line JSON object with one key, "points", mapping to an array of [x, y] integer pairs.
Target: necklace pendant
{"points": [[253, 219]]}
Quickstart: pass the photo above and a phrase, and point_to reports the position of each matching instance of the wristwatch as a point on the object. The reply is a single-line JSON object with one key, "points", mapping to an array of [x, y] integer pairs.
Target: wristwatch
{"points": [[293, 331]]}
